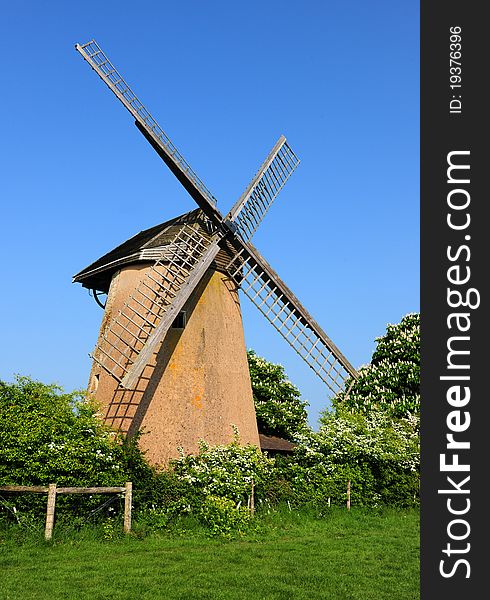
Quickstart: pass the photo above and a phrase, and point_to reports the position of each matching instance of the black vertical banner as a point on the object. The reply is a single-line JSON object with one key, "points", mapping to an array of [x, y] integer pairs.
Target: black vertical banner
{"points": [[455, 240]]}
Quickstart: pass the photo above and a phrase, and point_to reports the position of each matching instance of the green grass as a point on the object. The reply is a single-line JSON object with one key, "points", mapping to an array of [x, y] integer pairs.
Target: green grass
{"points": [[356, 555]]}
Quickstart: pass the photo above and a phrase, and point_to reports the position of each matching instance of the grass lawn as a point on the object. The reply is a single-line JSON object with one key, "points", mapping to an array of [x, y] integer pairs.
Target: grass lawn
{"points": [[356, 555]]}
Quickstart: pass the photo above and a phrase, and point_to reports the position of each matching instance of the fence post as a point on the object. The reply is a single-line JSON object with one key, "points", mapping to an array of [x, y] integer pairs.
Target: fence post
{"points": [[348, 495], [252, 498], [50, 508], [128, 499]]}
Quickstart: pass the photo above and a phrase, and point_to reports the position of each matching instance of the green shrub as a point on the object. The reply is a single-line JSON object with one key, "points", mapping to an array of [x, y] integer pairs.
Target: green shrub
{"points": [[370, 438], [224, 471], [223, 517], [372, 451], [47, 436]]}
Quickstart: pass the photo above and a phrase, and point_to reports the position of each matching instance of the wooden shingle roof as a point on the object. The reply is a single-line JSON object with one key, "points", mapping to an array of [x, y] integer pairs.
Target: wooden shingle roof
{"points": [[144, 247]]}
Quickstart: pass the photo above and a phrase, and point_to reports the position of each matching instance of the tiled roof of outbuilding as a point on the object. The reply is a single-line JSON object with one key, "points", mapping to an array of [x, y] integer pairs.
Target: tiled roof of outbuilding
{"points": [[277, 444]]}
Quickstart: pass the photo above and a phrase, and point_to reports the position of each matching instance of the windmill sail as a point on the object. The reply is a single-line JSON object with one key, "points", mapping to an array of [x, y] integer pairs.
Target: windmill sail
{"points": [[251, 207], [153, 341], [99, 62], [248, 213], [155, 303], [283, 310], [134, 335]]}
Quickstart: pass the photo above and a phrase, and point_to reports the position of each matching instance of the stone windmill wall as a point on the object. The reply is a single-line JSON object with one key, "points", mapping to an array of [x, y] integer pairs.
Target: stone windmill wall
{"points": [[198, 385]]}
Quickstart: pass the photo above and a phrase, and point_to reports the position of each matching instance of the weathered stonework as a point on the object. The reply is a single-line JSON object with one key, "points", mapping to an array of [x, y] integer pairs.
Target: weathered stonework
{"points": [[196, 387]]}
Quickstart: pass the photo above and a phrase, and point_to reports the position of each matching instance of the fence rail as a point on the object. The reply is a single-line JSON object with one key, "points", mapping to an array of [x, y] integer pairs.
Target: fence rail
{"points": [[52, 490]]}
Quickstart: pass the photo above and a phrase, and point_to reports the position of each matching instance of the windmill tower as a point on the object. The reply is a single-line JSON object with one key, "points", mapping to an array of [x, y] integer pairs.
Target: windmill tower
{"points": [[170, 358]]}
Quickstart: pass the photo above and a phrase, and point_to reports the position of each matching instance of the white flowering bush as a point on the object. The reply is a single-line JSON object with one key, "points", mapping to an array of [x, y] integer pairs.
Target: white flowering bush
{"points": [[379, 455], [355, 436], [224, 471], [391, 382], [370, 437], [278, 405]]}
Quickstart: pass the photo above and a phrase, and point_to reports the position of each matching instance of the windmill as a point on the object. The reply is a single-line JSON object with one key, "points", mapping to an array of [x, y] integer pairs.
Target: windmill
{"points": [[170, 357]]}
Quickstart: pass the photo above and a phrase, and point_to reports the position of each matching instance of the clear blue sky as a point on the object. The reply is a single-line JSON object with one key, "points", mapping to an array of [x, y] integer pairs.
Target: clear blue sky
{"points": [[339, 79]]}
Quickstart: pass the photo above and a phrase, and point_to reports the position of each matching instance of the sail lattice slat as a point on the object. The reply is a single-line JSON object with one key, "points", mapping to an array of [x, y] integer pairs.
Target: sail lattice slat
{"points": [[135, 334], [285, 313], [129, 331], [93, 54], [251, 207]]}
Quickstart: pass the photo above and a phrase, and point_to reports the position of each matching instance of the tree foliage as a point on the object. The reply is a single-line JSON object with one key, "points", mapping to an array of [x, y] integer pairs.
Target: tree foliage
{"points": [[371, 435], [378, 453], [391, 383], [50, 436], [278, 405]]}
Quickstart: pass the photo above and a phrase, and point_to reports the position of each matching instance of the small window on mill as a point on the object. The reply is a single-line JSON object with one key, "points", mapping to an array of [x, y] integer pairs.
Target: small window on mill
{"points": [[180, 321]]}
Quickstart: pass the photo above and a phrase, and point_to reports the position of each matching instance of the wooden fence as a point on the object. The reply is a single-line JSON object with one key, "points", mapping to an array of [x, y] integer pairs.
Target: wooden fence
{"points": [[52, 490]]}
